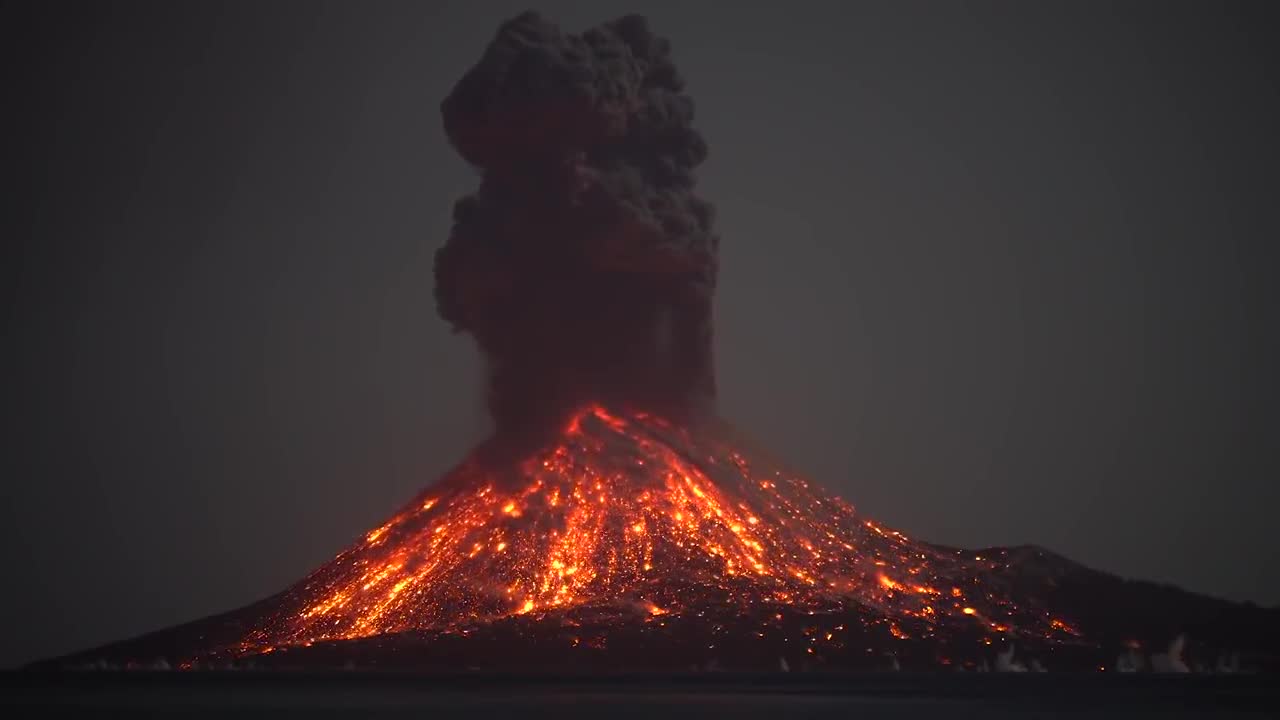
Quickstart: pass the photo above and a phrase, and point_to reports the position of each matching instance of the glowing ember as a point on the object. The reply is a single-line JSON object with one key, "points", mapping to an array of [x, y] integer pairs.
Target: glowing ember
{"points": [[628, 511]]}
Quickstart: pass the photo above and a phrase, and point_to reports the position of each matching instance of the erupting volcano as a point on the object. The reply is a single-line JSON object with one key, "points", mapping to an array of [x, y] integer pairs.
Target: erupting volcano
{"points": [[632, 514], [613, 520]]}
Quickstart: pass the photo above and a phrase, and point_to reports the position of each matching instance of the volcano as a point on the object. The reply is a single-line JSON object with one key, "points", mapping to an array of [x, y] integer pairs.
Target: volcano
{"points": [[634, 543], [614, 520]]}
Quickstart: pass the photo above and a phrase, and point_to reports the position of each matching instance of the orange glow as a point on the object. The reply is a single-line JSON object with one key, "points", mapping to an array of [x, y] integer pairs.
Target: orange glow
{"points": [[628, 511], [1057, 624]]}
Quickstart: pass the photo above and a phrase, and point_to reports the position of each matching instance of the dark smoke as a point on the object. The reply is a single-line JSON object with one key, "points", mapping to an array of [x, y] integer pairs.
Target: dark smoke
{"points": [[584, 265]]}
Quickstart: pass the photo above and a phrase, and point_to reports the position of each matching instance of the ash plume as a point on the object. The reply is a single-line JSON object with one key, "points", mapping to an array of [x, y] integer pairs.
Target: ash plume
{"points": [[584, 265]]}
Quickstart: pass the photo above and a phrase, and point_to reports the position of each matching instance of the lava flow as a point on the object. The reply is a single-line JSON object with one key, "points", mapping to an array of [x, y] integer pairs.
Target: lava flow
{"points": [[630, 512]]}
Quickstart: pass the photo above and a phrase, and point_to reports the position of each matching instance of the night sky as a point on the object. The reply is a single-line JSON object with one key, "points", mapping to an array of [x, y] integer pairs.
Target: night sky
{"points": [[996, 273]]}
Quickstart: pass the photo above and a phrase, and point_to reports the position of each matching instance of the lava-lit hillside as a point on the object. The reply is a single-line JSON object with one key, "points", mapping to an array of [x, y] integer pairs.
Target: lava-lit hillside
{"points": [[631, 543], [632, 513]]}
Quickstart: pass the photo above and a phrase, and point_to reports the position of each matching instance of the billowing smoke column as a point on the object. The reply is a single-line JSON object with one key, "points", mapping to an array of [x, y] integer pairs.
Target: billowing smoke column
{"points": [[584, 266]]}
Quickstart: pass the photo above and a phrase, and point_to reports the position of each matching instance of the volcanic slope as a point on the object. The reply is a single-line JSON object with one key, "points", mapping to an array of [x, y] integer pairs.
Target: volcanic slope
{"points": [[632, 512], [634, 543]]}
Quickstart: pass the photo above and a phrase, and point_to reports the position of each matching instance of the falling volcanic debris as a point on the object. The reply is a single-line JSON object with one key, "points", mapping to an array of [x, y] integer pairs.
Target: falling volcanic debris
{"points": [[613, 520]]}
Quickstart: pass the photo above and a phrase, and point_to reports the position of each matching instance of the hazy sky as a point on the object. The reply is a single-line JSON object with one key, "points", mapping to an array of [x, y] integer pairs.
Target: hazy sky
{"points": [[995, 273]]}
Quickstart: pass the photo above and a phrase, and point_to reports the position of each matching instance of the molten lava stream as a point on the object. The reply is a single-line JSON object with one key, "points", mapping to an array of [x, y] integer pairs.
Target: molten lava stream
{"points": [[628, 512]]}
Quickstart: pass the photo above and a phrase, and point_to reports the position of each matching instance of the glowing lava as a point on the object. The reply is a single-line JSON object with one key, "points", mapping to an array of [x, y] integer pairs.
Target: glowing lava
{"points": [[626, 511]]}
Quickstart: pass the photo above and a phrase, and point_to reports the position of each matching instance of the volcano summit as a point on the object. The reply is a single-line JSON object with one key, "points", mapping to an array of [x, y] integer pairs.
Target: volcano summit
{"points": [[613, 520]]}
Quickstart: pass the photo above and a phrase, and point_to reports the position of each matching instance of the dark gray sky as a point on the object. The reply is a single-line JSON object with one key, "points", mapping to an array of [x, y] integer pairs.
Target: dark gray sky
{"points": [[995, 273]]}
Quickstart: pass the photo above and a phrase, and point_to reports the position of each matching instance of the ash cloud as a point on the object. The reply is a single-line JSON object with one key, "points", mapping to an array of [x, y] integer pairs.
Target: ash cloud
{"points": [[584, 265]]}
